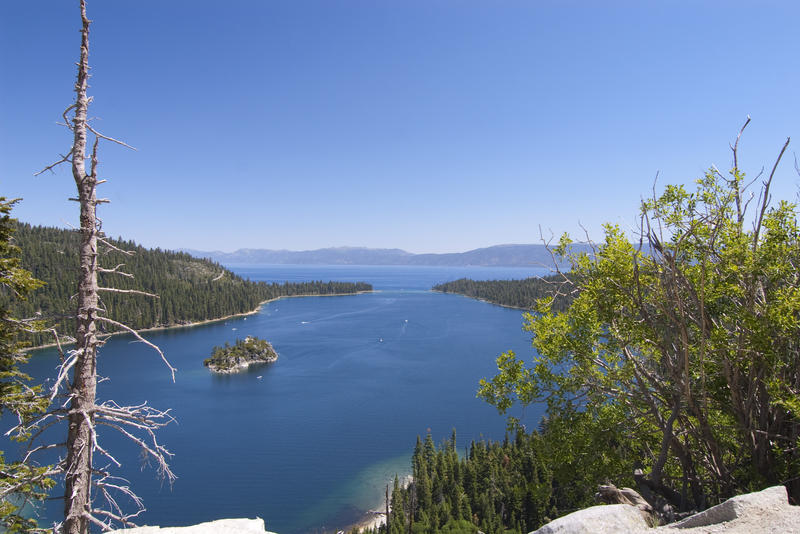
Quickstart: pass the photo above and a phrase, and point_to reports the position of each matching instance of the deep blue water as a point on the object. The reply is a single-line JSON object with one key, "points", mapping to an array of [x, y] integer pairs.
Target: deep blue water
{"points": [[308, 442]]}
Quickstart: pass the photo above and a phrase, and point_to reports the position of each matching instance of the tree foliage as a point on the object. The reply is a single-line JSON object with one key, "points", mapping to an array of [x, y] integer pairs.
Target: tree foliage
{"points": [[689, 340], [19, 481], [502, 487]]}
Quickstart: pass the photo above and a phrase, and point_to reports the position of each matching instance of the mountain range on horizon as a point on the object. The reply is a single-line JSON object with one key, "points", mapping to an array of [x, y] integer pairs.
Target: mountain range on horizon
{"points": [[511, 255]]}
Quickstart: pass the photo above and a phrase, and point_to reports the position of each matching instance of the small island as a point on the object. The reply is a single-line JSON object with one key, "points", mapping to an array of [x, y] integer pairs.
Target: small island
{"points": [[243, 354]]}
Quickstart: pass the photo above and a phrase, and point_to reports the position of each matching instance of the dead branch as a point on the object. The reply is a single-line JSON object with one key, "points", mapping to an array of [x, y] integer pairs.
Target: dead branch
{"points": [[64, 159], [767, 184], [95, 443], [140, 338], [107, 138], [115, 270], [63, 372], [114, 248], [131, 291], [105, 526], [64, 114], [157, 451], [118, 515]]}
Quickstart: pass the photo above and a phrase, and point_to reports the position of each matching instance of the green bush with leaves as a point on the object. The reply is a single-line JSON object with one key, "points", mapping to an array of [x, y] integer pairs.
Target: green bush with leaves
{"points": [[687, 342]]}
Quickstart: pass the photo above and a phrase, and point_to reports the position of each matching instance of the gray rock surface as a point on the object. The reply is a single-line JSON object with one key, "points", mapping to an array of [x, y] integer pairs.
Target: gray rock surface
{"points": [[763, 512], [609, 519], [221, 526]]}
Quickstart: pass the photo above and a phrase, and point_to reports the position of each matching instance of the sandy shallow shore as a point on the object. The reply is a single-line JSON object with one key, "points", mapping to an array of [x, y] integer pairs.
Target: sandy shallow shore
{"points": [[373, 519], [376, 518]]}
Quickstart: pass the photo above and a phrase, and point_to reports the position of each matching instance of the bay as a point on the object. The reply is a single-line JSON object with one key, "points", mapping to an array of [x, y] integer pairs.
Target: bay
{"points": [[309, 442]]}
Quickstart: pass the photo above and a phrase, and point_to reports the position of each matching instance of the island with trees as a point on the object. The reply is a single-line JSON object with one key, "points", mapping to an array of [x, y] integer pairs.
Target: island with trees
{"points": [[244, 353]]}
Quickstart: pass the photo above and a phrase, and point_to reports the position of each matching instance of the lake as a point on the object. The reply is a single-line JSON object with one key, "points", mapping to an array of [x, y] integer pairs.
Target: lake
{"points": [[309, 442]]}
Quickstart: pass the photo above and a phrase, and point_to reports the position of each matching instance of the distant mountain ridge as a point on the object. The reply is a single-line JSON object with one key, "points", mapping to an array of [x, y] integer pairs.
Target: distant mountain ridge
{"points": [[498, 256]]}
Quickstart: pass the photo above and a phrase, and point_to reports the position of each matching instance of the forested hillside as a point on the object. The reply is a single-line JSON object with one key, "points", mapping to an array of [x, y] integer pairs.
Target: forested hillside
{"points": [[515, 293], [508, 487], [188, 289]]}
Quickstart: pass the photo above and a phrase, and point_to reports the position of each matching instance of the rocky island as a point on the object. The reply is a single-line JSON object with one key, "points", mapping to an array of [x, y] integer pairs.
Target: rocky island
{"points": [[240, 356]]}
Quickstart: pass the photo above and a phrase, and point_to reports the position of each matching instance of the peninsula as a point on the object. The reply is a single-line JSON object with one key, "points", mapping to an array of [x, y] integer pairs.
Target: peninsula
{"points": [[190, 290], [241, 355], [521, 294]]}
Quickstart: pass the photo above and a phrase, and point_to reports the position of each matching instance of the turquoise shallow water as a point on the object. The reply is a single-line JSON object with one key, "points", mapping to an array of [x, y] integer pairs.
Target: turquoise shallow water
{"points": [[307, 443]]}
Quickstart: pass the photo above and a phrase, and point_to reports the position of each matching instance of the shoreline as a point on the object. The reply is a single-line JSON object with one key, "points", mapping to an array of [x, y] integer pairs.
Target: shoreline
{"points": [[372, 519], [205, 321]]}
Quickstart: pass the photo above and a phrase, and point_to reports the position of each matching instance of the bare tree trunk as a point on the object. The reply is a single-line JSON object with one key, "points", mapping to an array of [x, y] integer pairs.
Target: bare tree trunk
{"points": [[81, 413], [80, 408]]}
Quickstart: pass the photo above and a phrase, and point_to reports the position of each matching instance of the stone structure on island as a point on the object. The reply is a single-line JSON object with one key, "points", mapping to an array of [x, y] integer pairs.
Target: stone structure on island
{"points": [[240, 356]]}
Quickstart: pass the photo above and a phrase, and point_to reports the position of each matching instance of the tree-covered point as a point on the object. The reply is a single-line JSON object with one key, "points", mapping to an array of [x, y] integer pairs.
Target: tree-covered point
{"points": [[521, 294], [245, 352], [508, 487], [189, 289]]}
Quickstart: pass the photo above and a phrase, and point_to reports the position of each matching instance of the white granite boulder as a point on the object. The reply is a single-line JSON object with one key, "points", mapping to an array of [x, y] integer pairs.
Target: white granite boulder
{"points": [[763, 512], [608, 519], [221, 526]]}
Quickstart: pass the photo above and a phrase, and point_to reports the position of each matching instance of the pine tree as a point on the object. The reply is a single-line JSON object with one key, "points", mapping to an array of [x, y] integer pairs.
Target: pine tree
{"points": [[20, 481]]}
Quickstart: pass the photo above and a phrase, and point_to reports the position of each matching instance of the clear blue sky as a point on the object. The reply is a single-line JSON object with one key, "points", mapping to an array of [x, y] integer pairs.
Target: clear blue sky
{"points": [[427, 125]]}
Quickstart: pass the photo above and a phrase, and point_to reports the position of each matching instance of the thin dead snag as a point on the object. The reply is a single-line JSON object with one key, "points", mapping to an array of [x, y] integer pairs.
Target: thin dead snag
{"points": [[76, 401]]}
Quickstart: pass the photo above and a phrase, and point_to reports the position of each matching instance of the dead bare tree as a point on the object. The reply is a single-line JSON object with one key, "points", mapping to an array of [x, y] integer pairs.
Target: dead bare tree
{"points": [[76, 400]]}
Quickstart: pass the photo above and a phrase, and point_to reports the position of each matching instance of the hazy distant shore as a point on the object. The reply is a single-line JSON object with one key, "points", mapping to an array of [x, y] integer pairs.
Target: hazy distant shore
{"points": [[510, 255]]}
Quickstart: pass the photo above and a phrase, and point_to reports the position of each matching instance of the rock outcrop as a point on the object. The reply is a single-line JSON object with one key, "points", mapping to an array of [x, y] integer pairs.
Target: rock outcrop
{"points": [[611, 518], [221, 526], [763, 512]]}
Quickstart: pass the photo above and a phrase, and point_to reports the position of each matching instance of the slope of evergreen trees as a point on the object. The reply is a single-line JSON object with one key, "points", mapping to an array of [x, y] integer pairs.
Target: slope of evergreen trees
{"points": [[188, 289], [514, 293], [509, 487]]}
